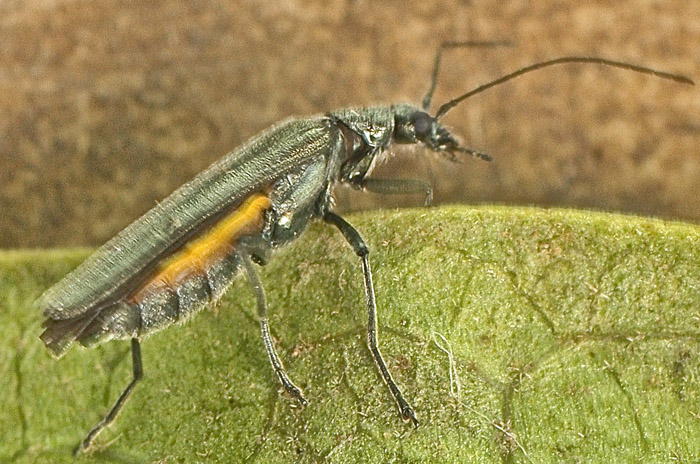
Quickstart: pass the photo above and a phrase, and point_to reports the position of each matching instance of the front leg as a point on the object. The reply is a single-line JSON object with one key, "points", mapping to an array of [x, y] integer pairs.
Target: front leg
{"points": [[399, 187], [358, 244]]}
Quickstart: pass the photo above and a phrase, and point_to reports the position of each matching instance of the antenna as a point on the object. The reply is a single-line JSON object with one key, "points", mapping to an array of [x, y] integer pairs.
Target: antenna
{"points": [[566, 59], [438, 58]]}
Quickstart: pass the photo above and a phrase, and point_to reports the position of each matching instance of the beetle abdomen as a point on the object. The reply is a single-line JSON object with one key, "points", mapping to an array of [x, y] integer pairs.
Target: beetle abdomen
{"points": [[166, 304], [200, 272], [197, 274], [162, 305]]}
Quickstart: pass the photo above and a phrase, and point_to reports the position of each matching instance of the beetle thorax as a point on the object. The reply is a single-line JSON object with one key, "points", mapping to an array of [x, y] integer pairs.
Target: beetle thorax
{"points": [[367, 132]]}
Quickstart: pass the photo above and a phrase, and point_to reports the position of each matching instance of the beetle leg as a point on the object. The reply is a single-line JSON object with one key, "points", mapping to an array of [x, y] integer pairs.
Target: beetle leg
{"points": [[275, 360], [399, 187], [86, 443], [358, 244]]}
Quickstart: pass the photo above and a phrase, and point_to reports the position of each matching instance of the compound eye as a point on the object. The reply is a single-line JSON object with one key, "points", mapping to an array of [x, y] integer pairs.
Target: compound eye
{"points": [[422, 124]]}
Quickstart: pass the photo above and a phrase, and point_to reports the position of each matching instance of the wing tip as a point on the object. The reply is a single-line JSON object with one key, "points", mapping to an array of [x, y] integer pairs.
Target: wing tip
{"points": [[56, 344], [59, 334]]}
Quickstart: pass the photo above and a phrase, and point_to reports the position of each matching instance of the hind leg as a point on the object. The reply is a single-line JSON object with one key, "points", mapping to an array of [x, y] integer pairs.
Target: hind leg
{"points": [[86, 442]]}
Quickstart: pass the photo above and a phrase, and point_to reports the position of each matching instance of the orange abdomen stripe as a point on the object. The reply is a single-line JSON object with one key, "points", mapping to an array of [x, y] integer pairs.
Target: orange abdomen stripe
{"points": [[194, 256]]}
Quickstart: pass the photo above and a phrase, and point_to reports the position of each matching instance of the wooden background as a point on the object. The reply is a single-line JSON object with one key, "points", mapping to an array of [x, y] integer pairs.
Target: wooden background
{"points": [[106, 107]]}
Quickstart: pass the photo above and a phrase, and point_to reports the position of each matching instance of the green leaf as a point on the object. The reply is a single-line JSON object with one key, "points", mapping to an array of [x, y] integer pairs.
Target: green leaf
{"points": [[518, 335]]}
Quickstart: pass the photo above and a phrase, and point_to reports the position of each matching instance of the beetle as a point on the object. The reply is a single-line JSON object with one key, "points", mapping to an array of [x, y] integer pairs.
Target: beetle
{"points": [[183, 254]]}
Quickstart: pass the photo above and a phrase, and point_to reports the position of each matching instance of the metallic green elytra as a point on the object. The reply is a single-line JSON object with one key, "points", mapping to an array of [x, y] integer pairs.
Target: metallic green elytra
{"points": [[183, 254]]}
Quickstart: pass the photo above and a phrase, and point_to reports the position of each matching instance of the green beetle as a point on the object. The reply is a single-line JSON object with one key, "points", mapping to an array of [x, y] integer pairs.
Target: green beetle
{"points": [[183, 254]]}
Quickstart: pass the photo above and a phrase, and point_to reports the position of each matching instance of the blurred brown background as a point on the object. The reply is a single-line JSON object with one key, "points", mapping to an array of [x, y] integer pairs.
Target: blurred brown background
{"points": [[107, 106]]}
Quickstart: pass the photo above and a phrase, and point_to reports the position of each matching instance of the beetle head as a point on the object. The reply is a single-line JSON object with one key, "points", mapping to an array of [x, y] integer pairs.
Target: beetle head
{"points": [[413, 125]]}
